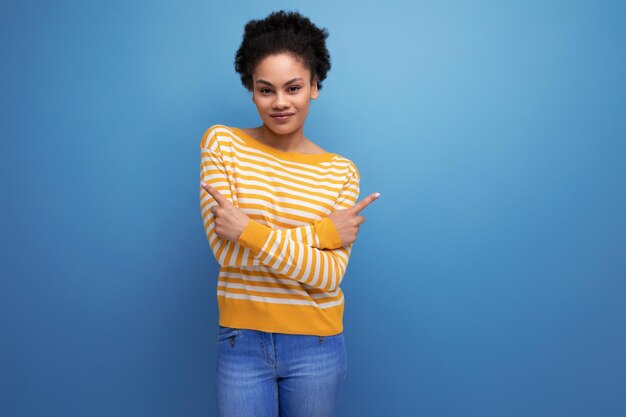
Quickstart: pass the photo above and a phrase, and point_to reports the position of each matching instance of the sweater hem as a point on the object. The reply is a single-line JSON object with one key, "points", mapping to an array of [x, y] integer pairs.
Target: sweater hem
{"points": [[288, 319]]}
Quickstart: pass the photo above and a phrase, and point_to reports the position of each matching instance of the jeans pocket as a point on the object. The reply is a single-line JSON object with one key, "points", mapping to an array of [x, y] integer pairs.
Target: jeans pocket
{"points": [[227, 333]]}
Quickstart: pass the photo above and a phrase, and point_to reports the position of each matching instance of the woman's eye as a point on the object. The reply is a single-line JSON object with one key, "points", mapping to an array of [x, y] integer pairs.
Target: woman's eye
{"points": [[265, 91], [296, 87]]}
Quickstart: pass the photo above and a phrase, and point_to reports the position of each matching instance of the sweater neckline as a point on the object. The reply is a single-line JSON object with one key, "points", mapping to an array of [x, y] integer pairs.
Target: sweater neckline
{"points": [[290, 156]]}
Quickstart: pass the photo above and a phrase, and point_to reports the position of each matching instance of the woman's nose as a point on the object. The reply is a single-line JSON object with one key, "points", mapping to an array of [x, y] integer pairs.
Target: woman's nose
{"points": [[280, 101]]}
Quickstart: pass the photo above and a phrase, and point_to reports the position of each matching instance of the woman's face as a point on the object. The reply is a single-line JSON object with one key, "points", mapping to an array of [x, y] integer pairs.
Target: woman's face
{"points": [[282, 85]]}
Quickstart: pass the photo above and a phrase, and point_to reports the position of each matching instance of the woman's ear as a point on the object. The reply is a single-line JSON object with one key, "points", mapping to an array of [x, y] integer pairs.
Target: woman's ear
{"points": [[314, 89]]}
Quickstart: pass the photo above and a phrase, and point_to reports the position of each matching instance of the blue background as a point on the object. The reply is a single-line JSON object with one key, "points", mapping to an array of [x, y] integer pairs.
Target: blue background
{"points": [[488, 279]]}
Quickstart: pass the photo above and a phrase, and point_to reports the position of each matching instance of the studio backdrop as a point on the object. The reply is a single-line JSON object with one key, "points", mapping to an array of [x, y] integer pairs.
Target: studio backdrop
{"points": [[488, 279]]}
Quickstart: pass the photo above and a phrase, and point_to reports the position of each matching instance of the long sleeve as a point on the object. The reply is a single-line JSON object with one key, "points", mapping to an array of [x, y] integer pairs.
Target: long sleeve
{"points": [[320, 268], [322, 234]]}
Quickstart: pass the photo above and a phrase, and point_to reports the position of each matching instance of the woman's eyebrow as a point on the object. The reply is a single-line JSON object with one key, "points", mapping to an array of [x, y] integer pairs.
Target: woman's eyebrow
{"points": [[270, 84]]}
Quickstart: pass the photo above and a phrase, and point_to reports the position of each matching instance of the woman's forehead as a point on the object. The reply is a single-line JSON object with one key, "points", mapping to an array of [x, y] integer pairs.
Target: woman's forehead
{"points": [[280, 68]]}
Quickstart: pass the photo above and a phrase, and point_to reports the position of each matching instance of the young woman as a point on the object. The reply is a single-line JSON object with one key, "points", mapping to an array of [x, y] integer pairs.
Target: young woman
{"points": [[281, 216]]}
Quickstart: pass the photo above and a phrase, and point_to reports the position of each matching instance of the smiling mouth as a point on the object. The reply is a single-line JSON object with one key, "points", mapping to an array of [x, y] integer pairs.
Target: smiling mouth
{"points": [[282, 117]]}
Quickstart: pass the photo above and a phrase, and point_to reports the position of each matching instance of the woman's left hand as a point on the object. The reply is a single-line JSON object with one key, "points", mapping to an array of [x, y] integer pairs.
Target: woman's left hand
{"points": [[229, 219]]}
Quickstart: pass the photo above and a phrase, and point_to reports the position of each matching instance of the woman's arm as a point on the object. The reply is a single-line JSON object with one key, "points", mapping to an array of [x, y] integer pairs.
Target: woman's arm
{"points": [[280, 250], [321, 234]]}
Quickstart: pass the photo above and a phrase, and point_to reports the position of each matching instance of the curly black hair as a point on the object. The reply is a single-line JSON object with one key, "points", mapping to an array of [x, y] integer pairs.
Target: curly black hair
{"points": [[283, 32]]}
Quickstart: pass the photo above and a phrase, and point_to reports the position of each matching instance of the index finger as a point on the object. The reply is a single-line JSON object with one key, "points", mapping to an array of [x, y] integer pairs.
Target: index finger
{"points": [[217, 196], [365, 202]]}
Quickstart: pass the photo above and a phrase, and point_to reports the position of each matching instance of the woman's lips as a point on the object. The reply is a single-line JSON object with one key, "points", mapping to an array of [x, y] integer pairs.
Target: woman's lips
{"points": [[282, 118]]}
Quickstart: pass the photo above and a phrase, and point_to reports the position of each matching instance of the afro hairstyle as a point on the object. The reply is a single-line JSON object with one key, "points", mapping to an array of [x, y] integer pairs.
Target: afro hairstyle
{"points": [[283, 32]]}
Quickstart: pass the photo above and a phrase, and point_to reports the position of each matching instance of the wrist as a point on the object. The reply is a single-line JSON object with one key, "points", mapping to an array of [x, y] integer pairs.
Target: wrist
{"points": [[242, 227]]}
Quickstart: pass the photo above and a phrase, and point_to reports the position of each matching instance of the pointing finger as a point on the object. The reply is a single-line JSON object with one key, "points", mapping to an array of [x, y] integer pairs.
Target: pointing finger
{"points": [[365, 202], [219, 198]]}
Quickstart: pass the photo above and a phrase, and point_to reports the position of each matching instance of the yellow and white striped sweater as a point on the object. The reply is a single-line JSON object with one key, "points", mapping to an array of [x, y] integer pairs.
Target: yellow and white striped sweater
{"points": [[283, 273]]}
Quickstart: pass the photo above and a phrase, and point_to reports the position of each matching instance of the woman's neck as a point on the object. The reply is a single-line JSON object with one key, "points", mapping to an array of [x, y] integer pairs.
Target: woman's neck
{"points": [[291, 142]]}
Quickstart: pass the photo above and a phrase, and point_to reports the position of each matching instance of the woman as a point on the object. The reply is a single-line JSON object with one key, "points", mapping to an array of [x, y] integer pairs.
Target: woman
{"points": [[281, 216]]}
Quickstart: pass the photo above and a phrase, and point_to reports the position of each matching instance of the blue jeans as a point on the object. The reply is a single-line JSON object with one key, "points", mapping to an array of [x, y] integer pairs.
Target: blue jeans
{"points": [[262, 374]]}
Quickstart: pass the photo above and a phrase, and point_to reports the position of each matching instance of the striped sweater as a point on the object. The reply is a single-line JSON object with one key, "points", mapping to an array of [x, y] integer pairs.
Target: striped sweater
{"points": [[283, 273]]}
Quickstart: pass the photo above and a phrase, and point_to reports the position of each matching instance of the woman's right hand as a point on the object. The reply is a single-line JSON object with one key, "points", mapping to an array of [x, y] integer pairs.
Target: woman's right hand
{"points": [[347, 221]]}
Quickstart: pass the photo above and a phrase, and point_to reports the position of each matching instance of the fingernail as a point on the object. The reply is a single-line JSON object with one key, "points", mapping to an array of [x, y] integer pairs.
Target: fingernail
{"points": [[377, 195], [202, 183]]}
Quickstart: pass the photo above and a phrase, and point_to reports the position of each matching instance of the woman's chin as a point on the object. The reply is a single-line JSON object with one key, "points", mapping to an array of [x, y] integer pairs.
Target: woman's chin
{"points": [[281, 128]]}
